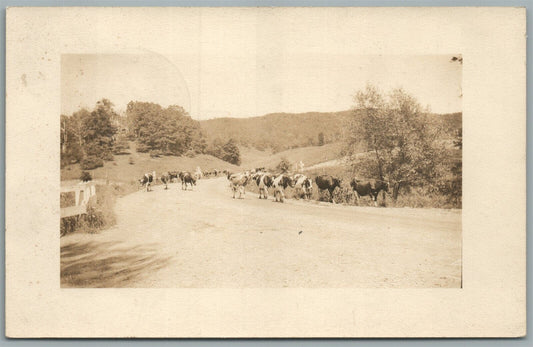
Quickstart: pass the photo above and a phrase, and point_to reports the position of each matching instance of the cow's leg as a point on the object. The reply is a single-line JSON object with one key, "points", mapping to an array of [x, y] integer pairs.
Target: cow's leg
{"points": [[233, 189], [357, 197]]}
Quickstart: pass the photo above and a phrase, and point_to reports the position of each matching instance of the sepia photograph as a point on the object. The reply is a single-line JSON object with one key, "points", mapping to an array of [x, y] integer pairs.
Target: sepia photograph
{"points": [[308, 171], [265, 172]]}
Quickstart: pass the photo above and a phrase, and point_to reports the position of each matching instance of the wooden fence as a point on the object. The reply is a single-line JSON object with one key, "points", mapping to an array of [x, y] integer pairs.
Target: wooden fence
{"points": [[82, 193]]}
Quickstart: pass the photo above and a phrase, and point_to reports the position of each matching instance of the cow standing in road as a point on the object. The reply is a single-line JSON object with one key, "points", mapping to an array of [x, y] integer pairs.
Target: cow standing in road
{"points": [[238, 183], [146, 181], [328, 182], [281, 183], [165, 179], [302, 186], [187, 178], [370, 188], [264, 181], [173, 175]]}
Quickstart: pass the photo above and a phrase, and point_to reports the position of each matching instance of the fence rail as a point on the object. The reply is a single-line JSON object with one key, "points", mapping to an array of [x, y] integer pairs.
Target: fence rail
{"points": [[82, 193]]}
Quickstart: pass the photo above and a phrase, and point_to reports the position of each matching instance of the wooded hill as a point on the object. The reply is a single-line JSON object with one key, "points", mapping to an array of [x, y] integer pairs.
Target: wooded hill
{"points": [[282, 131], [279, 131]]}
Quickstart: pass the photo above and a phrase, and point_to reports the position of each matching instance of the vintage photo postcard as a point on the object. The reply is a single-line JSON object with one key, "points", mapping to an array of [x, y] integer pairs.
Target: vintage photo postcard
{"points": [[265, 172]]}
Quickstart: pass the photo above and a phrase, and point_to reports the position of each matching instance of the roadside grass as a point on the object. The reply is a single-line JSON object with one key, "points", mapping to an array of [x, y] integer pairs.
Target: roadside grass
{"points": [[100, 209]]}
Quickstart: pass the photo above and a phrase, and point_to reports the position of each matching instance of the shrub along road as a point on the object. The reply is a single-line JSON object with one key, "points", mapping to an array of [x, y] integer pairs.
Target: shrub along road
{"points": [[204, 238]]}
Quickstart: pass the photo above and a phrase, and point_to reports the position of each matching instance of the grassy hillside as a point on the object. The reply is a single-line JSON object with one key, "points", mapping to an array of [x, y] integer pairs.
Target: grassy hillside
{"points": [[120, 170], [252, 158]]}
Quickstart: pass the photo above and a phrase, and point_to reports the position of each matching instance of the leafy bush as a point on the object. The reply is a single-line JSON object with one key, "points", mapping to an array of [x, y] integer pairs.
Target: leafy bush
{"points": [[91, 162], [156, 153], [107, 156], [142, 148], [121, 147], [85, 176]]}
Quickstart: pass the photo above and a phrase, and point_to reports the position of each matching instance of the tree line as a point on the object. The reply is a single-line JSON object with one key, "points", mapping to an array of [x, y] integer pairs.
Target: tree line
{"points": [[89, 137], [92, 137]]}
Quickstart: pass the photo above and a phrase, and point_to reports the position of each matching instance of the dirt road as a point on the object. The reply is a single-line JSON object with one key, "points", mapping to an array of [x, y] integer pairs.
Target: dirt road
{"points": [[204, 238]]}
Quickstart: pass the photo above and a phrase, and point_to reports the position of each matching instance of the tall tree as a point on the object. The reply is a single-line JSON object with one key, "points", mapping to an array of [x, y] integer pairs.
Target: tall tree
{"points": [[399, 136], [98, 131], [231, 153]]}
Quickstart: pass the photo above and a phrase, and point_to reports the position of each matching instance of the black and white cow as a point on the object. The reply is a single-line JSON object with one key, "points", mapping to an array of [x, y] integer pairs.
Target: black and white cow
{"points": [[302, 186], [264, 180], [281, 183], [370, 188], [146, 181]]}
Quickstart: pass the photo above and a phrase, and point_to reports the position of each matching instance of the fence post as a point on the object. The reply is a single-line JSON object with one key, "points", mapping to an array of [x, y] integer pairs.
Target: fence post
{"points": [[77, 196]]}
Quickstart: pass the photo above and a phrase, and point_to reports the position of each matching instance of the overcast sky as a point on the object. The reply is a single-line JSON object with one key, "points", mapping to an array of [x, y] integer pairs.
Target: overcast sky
{"points": [[210, 81]]}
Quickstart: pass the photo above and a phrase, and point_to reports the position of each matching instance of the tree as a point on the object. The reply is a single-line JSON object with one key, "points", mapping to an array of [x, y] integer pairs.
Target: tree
{"points": [[321, 139], [458, 141], [399, 136], [284, 165], [98, 131], [231, 152], [169, 130], [71, 139]]}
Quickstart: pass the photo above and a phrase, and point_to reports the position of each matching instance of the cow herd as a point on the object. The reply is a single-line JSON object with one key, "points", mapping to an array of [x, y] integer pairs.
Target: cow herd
{"points": [[303, 185], [185, 177], [277, 183]]}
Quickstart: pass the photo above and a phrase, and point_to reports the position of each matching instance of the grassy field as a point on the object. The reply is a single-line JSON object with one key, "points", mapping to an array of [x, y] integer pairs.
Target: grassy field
{"points": [[252, 158], [131, 167]]}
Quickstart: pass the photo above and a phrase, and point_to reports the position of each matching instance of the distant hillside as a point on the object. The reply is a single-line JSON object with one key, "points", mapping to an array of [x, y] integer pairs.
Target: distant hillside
{"points": [[252, 158], [279, 131], [282, 131]]}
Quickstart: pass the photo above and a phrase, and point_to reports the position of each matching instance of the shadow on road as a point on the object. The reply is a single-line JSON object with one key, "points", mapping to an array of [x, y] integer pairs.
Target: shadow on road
{"points": [[104, 264]]}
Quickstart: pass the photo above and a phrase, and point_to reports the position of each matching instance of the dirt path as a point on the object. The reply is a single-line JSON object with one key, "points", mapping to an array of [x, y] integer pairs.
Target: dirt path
{"points": [[204, 238]]}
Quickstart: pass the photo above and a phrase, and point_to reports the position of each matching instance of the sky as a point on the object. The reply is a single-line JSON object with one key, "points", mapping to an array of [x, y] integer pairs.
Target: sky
{"points": [[209, 81]]}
